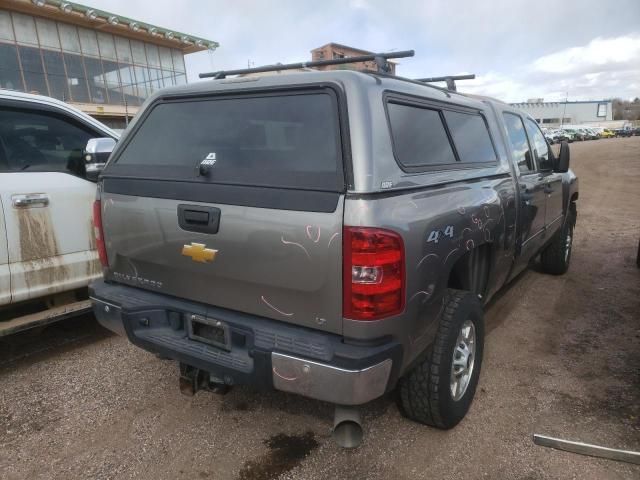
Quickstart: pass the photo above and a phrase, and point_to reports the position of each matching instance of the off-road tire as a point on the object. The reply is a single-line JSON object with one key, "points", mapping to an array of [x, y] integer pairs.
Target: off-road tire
{"points": [[554, 258], [424, 393]]}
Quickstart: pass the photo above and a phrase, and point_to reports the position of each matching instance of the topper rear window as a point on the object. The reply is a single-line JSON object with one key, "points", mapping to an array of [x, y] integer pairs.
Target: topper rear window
{"points": [[429, 135], [288, 140]]}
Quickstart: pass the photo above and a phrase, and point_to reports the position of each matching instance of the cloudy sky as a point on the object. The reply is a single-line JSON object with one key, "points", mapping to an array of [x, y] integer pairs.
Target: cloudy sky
{"points": [[518, 49]]}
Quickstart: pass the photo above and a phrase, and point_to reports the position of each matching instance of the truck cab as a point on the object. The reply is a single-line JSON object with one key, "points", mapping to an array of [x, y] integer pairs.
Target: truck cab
{"points": [[47, 244]]}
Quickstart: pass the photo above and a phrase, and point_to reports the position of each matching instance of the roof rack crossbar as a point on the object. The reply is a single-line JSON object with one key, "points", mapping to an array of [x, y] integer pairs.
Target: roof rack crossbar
{"points": [[450, 79], [379, 58]]}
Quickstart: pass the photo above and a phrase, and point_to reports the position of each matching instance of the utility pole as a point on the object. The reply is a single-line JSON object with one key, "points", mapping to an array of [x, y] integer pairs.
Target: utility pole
{"points": [[564, 111]]}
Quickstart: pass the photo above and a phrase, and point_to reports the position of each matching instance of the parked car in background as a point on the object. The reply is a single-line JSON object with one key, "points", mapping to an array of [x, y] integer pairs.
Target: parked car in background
{"points": [[598, 131], [549, 135], [262, 233], [584, 132], [595, 134], [574, 134], [623, 132], [47, 188], [554, 135], [608, 133], [563, 135], [592, 133]]}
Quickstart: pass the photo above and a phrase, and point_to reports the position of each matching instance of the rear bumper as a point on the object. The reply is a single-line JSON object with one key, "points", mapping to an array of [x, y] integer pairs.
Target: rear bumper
{"points": [[263, 353]]}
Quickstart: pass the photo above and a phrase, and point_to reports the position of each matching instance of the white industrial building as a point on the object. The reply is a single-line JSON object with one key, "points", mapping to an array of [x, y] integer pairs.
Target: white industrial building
{"points": [[554, 114]]}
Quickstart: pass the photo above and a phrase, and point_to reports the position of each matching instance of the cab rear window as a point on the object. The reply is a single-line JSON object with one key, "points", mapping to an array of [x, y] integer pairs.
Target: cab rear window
{"points": [[283, 140]]}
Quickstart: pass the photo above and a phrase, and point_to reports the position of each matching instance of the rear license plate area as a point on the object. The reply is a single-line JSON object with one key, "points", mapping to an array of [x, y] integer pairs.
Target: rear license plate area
{"points": [[209, 330]]}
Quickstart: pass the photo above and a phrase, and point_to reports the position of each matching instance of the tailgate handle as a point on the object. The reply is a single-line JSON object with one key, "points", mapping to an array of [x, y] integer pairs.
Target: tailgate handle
{"points": [[196, 218]]}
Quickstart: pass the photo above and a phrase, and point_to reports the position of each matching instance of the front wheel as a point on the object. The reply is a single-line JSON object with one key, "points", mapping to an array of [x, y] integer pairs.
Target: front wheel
{"points": [[438, 391]]}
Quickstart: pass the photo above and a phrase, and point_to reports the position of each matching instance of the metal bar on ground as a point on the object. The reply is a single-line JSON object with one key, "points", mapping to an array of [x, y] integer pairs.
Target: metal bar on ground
{"points": [[587, 449]]}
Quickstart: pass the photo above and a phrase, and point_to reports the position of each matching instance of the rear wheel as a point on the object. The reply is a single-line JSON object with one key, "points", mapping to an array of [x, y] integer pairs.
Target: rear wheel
{"points": [[556, 257], [439, 390]]}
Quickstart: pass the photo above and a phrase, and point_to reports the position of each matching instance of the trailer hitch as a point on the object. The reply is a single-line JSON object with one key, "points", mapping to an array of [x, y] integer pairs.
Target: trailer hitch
{"points": [[193, 379]]}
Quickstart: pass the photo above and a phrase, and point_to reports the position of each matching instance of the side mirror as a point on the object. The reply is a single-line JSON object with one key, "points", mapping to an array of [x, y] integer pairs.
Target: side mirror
{"points": [[563, 158], [96, 154]]}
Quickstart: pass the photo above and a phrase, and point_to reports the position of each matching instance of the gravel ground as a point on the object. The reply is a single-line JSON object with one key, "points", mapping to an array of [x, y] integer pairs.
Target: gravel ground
{"points": [[562, 358]]}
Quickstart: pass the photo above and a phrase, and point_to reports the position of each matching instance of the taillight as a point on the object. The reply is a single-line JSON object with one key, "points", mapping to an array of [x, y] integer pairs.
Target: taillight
{"points": [[97, 230], [373, 273]]}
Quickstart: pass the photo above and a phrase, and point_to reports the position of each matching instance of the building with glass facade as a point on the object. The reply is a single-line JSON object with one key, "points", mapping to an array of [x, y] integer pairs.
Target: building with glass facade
{"points": [[103, 63]]}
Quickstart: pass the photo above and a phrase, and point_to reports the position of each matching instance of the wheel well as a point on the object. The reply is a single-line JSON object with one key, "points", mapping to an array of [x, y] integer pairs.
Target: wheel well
{"points": [[574, 197], [471, 271]]}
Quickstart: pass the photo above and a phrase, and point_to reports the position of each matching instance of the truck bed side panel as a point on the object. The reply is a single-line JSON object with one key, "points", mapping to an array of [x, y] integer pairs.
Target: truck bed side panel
{"points": [[439, 226]]}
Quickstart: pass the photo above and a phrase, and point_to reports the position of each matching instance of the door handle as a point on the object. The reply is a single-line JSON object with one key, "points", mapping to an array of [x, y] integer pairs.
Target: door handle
{"points": [[30, 200]]}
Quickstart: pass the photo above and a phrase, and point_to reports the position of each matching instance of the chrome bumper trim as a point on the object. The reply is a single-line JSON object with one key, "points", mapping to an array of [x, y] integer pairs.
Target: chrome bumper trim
{"points": [[329, 383]]}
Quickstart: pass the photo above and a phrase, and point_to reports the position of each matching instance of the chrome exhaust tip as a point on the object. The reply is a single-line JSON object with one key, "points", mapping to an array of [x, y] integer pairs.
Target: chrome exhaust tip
{"points": [[347, 427]]}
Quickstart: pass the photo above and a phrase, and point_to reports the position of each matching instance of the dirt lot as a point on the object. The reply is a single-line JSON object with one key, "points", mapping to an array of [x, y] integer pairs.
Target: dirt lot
{"points": [[562, 358]]}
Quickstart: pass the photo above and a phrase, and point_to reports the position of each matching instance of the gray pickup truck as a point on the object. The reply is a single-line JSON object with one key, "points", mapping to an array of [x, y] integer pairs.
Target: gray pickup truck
{"points": [[330, 234]]}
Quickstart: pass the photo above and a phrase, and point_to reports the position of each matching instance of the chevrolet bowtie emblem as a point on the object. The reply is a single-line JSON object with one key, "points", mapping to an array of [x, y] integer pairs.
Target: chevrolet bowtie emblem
{"points": [[199, 253]]}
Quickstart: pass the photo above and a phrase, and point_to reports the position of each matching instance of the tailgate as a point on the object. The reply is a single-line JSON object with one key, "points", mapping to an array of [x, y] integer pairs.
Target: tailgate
{"points": [[233, 201]]}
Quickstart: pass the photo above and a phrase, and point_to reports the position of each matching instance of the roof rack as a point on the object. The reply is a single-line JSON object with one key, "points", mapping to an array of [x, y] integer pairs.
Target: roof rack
{"points": [[379, 58], [450, 79]]}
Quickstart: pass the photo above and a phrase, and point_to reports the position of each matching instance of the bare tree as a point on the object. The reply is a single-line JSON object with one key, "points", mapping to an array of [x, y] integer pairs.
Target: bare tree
{"points": [[626, 110]]}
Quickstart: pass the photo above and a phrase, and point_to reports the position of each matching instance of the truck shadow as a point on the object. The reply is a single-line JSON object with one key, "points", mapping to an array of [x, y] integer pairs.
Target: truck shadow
{"points": [[41, 344], [286, 450], [246, 399]]}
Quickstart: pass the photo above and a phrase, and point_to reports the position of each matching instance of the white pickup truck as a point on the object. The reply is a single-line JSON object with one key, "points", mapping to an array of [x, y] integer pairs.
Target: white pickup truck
{"points": [[47, 188]]}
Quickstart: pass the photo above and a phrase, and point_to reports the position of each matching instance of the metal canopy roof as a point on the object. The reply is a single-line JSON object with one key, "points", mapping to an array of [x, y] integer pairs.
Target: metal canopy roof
{"points": [[90, 17]]}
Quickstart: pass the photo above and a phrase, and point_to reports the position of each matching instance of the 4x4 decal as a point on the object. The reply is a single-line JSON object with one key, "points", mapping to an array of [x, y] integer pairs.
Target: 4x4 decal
{"points": [[436, 235]]}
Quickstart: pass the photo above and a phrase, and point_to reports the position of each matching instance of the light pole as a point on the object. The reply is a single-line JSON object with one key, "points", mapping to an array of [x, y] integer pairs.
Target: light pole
{"points": [[564, 111]]}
